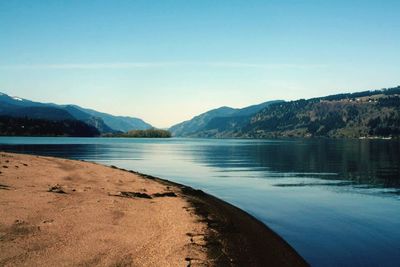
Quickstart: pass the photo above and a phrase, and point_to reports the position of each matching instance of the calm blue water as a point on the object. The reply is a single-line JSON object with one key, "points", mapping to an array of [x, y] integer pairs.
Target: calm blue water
{"points": [[337, 202]]}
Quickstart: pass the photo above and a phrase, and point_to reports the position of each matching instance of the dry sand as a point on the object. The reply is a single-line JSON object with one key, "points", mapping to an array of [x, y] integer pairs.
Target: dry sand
{"points": [[58, 212]]}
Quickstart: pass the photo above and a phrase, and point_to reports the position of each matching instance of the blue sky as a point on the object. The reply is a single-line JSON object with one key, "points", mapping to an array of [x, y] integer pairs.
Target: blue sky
{"points": [[166, 61]]}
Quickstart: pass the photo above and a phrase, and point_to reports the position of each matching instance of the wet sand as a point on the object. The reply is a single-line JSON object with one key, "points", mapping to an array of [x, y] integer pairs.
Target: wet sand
{"points": [[58, 212]]}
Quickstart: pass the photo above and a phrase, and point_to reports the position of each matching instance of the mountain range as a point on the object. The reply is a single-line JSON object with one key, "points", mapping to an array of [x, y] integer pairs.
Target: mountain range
{"points": [[352, 115], [220, 116], [364, 114], [17, 107]]}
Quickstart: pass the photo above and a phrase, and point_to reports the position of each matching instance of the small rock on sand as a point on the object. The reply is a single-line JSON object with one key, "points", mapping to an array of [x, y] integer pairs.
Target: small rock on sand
{"points": [[56, 189]]}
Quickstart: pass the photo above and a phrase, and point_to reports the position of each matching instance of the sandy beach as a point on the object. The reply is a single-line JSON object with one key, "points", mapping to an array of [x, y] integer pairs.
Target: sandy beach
{"points": [[58, 212]]}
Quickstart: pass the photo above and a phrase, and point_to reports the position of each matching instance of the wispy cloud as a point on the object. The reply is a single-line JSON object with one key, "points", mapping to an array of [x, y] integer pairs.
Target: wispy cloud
{"points": [[260, 65], [142, 65]]}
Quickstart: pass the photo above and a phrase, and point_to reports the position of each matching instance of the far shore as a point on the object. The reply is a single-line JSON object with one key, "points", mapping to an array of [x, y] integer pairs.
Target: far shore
{"points": [[55, 211]]}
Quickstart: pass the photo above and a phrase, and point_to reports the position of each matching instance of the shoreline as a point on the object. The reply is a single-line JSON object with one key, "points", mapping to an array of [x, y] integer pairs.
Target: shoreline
{"points": [[247, 241], [225, 235]]}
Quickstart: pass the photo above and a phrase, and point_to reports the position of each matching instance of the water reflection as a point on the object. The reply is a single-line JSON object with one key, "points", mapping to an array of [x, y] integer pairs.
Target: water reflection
{"points": [[371, 162]]}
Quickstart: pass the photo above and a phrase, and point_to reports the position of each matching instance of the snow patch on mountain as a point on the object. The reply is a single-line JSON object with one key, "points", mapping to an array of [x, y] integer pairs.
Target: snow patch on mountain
{"points": [[17, 98]]}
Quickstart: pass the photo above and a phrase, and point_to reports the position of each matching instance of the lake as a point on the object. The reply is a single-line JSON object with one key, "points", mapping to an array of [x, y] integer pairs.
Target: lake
{"points": [[337, 202]]}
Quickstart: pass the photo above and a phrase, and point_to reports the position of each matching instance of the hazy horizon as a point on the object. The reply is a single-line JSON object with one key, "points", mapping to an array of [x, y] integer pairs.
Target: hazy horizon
{"points": [[167, 61]]}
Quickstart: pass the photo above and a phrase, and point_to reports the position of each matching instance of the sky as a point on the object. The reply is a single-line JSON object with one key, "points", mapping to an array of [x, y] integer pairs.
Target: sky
{"points": [[166, 61]]}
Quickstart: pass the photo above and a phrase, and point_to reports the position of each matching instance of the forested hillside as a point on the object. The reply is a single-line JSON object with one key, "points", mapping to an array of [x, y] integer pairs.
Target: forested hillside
{"points": [[11, 126], [364, 114], [222, 115]]}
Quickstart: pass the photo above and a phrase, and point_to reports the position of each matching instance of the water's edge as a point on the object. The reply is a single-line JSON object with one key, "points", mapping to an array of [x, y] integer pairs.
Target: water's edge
{"points": [[237, 231]]}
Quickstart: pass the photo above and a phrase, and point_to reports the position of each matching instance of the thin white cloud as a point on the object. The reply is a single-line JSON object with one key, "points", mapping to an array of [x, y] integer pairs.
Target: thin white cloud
{"points": [[133, 65], [125, 65], [261, 65]]}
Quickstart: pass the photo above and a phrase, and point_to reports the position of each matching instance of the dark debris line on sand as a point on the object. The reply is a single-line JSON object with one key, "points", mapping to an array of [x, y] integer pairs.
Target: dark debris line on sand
{"points": [[133, 195], [4, 187], [166, 194], [144, 195]]}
